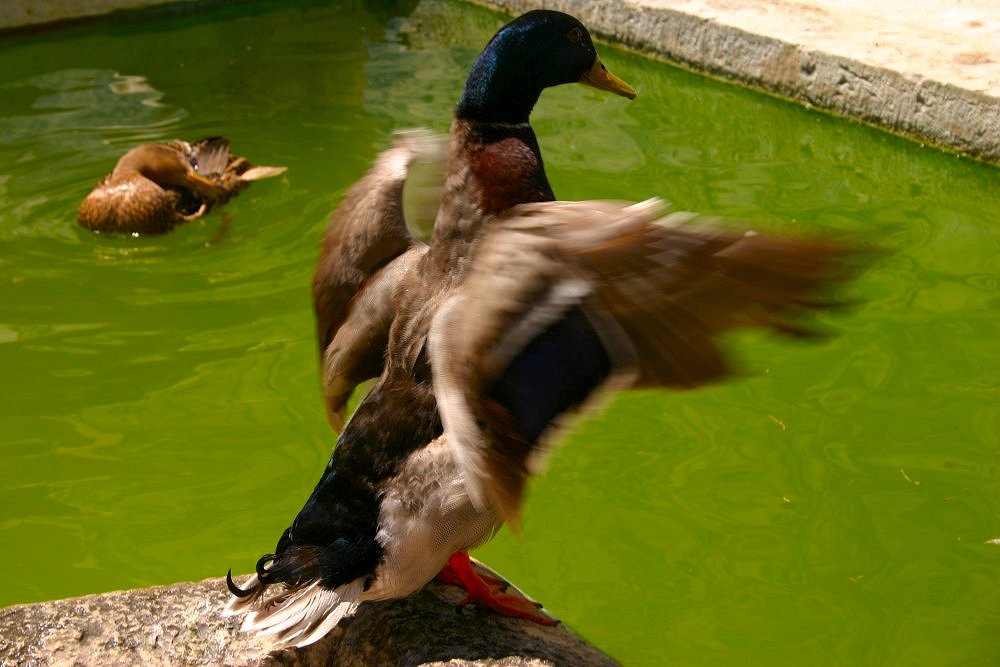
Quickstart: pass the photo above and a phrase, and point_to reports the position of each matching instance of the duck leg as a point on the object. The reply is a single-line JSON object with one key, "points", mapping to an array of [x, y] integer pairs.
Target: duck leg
{"points": [[489, 591]]}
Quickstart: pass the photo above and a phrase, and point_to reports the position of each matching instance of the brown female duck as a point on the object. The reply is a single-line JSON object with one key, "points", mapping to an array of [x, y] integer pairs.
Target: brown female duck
{"points": [[155, 187]]}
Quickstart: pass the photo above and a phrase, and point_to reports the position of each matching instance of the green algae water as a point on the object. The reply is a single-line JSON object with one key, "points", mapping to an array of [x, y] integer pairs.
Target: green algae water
{"points": [[160, 413]]}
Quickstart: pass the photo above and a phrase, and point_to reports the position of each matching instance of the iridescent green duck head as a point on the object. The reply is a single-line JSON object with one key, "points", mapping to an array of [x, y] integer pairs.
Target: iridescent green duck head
{"points": [[538, 50]]}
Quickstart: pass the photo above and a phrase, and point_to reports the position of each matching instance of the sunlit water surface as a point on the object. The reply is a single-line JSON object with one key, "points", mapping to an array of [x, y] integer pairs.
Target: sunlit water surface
{"points": [[160, 416]]}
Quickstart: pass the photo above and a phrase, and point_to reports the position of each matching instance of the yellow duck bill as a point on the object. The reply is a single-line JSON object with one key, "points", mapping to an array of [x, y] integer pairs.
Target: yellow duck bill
{"points": [[599, 77]]}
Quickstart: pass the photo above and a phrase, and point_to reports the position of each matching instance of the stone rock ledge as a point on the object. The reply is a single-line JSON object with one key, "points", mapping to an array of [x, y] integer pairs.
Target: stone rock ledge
{"points": [[182, 624], [921, 108]]}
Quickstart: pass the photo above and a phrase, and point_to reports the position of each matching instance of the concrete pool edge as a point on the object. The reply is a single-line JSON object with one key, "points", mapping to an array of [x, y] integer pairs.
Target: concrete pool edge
{"points": [[949, 95], [182, 624], [916, 106]]}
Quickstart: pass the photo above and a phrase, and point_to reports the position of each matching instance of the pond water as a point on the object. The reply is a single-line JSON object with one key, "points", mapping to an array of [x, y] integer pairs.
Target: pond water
{"points": [[160, 414]]}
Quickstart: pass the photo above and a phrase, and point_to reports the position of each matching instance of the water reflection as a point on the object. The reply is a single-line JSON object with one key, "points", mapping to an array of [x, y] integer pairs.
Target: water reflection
{"points": [[77, 105]]}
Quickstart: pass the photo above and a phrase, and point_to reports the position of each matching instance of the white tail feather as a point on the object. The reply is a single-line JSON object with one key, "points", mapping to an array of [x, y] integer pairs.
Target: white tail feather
{"points": [[297, 617], [287, 609], [237, 606]]}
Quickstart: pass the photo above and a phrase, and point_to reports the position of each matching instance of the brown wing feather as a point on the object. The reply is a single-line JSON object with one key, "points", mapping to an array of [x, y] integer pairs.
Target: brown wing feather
{"points": [[657, 290], [357, 349], [367, 233], [685, 286]]}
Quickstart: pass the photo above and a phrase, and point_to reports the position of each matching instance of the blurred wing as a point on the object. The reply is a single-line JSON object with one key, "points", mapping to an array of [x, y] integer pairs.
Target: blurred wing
{"points": [[571, 298], [367, 233], [357, 350]]}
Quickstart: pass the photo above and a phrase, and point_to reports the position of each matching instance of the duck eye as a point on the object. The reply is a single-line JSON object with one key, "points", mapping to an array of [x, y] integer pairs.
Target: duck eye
{"points": [[574, 35]]}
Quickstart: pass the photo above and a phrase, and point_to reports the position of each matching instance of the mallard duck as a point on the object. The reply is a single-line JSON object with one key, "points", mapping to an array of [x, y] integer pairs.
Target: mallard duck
{"points": [[155, 187], [520, 312]]}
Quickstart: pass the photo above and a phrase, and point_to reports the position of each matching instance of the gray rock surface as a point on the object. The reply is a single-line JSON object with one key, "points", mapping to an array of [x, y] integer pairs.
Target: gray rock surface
{"points": [[182, 624]]}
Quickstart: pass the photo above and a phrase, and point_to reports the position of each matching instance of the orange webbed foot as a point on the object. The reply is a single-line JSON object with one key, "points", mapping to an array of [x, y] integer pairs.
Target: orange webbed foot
{"points": [[489, 591]]}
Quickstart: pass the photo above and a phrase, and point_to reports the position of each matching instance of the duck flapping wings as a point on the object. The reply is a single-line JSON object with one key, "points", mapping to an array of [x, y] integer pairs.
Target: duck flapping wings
{"points": [[568, 300]]}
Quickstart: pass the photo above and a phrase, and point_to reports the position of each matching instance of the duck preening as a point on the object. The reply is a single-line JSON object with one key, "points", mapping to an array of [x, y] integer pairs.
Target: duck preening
{"points": [[155, 187], [519, 313]]}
